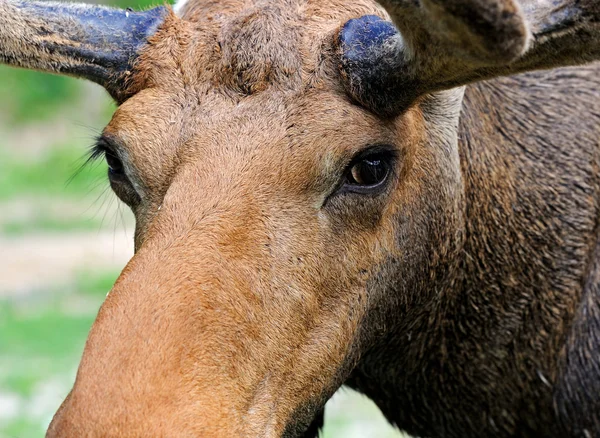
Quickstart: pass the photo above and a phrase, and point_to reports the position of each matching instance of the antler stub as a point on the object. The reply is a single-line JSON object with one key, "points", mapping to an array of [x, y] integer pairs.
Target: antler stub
{"points": [[443, 44], [373, 62], [93, 42]]}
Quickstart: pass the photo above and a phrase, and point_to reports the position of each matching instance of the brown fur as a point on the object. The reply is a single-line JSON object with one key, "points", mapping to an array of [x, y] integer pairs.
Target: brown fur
{"points": [[463, 299], [485, 354]]}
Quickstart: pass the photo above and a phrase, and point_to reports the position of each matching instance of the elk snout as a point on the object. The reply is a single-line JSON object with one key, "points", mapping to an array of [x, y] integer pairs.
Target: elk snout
{"points": [[203, 337]]}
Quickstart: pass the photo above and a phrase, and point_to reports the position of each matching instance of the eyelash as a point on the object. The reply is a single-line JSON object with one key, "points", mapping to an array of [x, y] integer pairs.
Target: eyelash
{"points": [[101, 150], [119, 181], [95, 153]]}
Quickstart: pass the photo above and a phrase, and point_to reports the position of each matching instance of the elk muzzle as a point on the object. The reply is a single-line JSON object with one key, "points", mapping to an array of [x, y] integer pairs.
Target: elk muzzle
{"points": [[225, 329]]}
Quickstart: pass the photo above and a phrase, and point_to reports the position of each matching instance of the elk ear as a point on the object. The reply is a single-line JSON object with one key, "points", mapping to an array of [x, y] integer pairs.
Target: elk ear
{"points": [[88, 41], [440, 44]]}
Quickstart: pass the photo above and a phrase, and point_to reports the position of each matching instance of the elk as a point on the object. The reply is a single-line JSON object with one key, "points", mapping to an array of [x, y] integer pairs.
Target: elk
{"points": [[401, 197]]}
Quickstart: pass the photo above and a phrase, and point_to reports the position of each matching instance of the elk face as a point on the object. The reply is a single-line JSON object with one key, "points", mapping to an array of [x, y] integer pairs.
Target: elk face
{"points": [[282, 229], [266, 204]]}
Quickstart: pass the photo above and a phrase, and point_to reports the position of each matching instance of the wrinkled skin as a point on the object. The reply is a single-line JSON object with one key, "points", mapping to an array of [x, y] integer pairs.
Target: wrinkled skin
{"points": [[462, 296]]}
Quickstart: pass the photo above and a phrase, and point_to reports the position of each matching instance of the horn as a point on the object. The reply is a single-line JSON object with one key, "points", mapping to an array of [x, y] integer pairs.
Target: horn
{"points": [[87, 41], [441, 44]]}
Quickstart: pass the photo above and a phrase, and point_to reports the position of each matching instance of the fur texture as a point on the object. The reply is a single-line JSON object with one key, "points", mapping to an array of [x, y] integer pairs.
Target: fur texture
{"points": [[498, 347]]}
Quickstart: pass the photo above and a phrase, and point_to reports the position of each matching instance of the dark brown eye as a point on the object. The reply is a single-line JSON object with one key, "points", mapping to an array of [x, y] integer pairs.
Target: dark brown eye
{"points": [[115, 166], [370, 171], [119, 182]]}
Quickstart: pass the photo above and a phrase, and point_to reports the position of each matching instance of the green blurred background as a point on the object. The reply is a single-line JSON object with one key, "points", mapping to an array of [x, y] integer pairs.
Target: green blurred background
{"points": [[64, 237]]}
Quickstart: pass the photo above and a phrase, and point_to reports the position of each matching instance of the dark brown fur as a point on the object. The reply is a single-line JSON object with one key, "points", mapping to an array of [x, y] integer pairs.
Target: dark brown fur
{"points": [[486, 355]]}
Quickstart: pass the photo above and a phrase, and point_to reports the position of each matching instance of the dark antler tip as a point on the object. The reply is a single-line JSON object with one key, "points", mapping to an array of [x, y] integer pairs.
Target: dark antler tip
{"points": [[362, 39], [373, 63]]}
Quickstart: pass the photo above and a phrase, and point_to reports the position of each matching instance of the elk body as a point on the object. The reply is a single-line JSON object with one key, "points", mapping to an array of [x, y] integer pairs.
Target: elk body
{"points": [[320, 201]]}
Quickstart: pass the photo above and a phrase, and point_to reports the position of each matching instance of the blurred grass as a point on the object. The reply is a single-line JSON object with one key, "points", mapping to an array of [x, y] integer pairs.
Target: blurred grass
{"points": [[42, 332], [48, 224], [57, 171], [32, 95], [42, 338]]}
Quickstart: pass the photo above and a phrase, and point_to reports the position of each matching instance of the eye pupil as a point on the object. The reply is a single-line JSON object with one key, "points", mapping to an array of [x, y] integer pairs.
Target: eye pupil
{"points": [[115, 166], [369, 172]]}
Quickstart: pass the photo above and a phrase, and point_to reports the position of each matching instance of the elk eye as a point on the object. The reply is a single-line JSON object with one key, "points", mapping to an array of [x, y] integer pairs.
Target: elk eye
{"points": [[115, 166], [368, 172]]}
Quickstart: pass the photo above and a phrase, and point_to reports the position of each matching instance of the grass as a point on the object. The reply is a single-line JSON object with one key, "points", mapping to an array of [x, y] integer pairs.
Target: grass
{"points": [[33, 95], [59, 195], [42, 333], [49, 225], [57, 172]]}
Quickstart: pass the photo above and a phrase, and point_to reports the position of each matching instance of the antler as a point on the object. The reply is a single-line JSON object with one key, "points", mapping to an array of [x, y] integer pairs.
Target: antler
{"points": [[92, 42], [446, 43]]}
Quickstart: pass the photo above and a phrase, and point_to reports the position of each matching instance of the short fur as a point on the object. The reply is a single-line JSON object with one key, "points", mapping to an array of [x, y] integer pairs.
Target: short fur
{"points": [[499, 348]]}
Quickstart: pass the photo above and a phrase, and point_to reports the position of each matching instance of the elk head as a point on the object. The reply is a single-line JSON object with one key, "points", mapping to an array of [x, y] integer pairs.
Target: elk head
{"points": [[293, 170]]}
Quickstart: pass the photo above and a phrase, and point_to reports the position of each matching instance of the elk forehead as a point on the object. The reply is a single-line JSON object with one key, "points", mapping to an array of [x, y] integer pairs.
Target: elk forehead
{"points": [[244, 49], [222, 69], [259, 48]]}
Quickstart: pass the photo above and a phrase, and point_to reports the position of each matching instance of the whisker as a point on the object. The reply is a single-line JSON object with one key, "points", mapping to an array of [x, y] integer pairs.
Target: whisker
{"points": [[106, 211], [95, 131], [104, 197]]}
